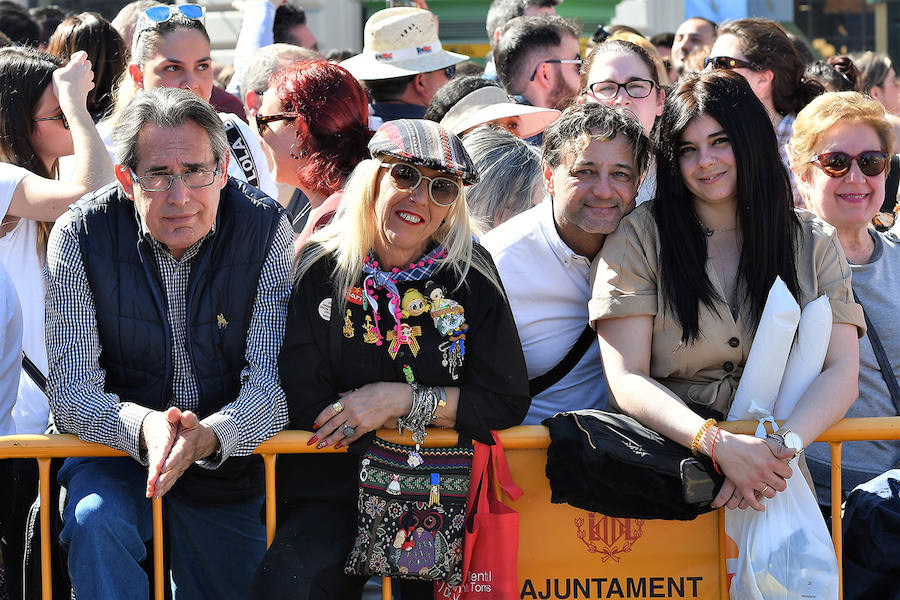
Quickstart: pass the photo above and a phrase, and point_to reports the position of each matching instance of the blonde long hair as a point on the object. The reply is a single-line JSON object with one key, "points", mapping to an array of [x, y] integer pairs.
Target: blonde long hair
{"points": [[353, 231]]}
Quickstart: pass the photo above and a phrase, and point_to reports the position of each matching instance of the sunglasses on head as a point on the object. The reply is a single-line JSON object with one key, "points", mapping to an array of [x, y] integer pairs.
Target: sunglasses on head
{"points": [[406, 178], [158, 14], [837, 164], [728, 63]]}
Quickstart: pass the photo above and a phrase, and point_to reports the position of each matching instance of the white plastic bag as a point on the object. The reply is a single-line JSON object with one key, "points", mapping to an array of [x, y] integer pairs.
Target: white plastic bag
{"points": [[784, 553]]}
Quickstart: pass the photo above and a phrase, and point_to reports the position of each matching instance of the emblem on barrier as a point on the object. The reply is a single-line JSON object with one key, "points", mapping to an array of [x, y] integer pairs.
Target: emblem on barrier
{"points": [[609, 537]]}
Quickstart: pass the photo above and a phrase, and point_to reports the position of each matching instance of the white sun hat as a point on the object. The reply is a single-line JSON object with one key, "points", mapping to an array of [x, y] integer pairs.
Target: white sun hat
{"points": [[398, 42], [491, 103]]}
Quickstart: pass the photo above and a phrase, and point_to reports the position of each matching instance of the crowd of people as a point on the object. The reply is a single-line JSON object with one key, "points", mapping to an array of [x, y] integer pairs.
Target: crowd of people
{"points": [[193, 258]]}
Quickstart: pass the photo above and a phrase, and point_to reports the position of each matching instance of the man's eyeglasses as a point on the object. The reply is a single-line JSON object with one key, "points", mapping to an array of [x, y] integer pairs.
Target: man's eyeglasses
{"points": [[837, 164], [728, 63], [163, 181], [607, 90], [406, 178], [59, 117], [562, 61], [262, 121], [450, 71]]}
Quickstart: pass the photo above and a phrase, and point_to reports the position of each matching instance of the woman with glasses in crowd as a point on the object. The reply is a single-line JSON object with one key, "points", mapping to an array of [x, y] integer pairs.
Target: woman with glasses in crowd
{"points": [[313, 124], [681, 285], [392, 300], [761, 51], [43, 117], [840, 152], [623, 75], [171, 48]]}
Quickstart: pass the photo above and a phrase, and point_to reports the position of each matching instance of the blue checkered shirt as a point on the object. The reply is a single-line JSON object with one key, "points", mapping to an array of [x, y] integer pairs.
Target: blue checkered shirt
{"points": [[76, 380]]}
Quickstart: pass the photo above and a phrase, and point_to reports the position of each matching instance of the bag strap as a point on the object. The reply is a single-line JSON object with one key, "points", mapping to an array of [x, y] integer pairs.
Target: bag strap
{"points": [[34, 373], [500, 470], [881, 356], [240, 151], [891, 185], [542, 382]]}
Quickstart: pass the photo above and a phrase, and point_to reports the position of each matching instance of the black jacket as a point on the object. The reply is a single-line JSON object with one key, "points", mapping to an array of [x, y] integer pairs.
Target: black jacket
{"points": [[318, 361]]}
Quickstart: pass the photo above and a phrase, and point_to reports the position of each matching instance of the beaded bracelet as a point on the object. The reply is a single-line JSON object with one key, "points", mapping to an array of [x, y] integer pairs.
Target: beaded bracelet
{"points": [[694, 444]]}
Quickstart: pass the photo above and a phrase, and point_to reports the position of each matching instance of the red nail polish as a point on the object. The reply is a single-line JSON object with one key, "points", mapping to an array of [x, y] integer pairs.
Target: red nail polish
{"points": [[338, 445], [315, 426], [312, 440]]}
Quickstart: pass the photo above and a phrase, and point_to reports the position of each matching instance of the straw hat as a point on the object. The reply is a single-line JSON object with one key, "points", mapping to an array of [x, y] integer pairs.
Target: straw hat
{"points": [[491, 103], [398, 42]]}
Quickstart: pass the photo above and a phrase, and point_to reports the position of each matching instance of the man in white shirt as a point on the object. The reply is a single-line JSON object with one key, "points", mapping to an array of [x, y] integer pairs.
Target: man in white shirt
{"points": [[594, 157]]}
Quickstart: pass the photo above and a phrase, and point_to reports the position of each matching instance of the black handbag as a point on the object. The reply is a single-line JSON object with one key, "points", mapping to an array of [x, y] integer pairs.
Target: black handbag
{"points": [[609, 463], [411, 512]]}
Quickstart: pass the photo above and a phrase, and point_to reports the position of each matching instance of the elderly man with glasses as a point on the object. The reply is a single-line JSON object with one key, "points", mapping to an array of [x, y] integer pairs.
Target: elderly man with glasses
{"points": [[538, 59], [166, 303]]}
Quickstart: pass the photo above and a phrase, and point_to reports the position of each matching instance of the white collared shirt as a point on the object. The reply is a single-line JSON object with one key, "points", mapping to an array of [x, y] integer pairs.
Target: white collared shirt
{"points": [[548, 286]]}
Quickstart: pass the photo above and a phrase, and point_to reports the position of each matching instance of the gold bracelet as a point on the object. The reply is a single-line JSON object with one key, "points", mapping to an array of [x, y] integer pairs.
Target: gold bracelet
{"points": [[709, 423]]}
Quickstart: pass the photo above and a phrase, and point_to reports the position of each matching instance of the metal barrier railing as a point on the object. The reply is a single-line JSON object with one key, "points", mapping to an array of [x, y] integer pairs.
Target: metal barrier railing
{"points": [[43, 448]]}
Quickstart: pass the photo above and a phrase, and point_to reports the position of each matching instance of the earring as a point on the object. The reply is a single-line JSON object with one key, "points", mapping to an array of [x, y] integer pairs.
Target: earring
{"points": [[296, 152]]}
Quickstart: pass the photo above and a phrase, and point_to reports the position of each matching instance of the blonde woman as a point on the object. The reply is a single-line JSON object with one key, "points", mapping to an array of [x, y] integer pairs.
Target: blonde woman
{"points": [[394, 290]]}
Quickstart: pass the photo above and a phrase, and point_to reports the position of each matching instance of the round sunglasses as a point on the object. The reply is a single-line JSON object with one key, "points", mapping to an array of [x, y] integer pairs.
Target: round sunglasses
{"points": [[837, 164], [406, 178]]}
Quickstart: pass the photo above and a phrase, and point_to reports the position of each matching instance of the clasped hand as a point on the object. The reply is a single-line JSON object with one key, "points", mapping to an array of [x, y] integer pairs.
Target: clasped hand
{"points": [[754, 468], [174, 440]]}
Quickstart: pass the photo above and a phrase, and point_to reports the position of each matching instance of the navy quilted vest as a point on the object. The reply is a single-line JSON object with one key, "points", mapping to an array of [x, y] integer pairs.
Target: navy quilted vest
{"points": [[132, 322]]}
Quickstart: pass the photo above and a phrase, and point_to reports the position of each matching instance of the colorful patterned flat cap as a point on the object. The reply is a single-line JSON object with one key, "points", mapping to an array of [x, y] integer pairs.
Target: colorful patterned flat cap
{"points": [[424, 143]]}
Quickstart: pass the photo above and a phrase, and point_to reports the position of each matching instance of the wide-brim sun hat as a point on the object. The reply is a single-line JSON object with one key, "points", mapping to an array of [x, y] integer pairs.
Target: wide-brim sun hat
{"points": [[492, 103], [424, 143], [398, 42]]}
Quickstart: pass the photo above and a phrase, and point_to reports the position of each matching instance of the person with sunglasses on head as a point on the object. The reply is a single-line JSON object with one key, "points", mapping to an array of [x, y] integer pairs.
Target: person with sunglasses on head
{"points": [[623, 75], [402, 64], [392, 300], [761, 51], [43, 117], [166, 303], [170, 48], [312, 123], [840, 153], [679, 288], [538, 60]]}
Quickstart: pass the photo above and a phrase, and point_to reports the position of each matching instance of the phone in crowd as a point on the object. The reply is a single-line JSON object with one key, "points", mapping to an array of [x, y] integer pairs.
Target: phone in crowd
{"points": [[699, 484]]}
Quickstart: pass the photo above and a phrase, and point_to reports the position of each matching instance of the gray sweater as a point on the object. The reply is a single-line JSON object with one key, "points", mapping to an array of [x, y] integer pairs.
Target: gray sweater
{"points": [[877, 285]]}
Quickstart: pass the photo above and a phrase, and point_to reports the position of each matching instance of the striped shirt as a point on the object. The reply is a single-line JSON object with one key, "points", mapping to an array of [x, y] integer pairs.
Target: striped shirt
{"points": [[76, 384]]}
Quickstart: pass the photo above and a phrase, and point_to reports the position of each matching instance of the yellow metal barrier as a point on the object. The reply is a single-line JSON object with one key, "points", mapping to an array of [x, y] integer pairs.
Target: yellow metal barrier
{"points": [[558, 543]]}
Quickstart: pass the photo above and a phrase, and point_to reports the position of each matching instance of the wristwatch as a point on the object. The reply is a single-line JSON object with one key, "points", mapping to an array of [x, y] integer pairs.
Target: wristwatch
{"points": [[788, 439]]}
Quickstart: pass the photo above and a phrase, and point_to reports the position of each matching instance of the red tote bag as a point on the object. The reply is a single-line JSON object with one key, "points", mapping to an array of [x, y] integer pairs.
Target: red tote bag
{"points": [[491, 545]]}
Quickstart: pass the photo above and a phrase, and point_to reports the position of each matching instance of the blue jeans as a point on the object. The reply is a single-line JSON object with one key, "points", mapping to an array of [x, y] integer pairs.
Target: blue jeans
{"points": [[214, 549]]}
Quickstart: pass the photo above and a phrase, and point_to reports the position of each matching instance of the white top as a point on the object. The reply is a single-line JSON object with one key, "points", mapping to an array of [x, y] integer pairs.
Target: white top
{"points": [[10, 351], [548, 285], [20, 262]]}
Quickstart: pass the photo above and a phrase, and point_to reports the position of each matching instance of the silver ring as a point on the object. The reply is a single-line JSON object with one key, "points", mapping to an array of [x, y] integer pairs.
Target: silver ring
{"points": [[763, 491], [337, 406], [349, 430]]}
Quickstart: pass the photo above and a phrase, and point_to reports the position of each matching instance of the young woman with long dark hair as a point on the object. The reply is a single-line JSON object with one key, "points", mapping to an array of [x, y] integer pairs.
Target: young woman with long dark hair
{"points": [[43, 116], [681, 285]]}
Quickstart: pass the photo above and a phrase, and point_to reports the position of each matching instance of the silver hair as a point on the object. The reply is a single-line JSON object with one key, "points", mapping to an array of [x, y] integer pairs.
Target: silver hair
{"points": [[266, 61], [510, 174], [165, 107]]}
